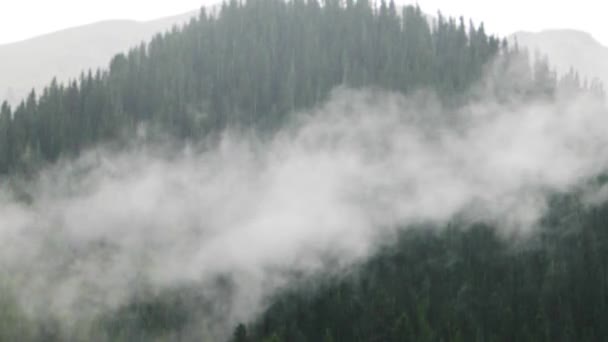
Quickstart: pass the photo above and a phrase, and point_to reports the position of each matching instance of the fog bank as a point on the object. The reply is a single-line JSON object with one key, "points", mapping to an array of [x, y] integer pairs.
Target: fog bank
{"points": [[332, 186]]}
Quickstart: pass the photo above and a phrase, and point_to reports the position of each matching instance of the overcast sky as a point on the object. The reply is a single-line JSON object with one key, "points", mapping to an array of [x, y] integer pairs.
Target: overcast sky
{"points": [[21, 19]]}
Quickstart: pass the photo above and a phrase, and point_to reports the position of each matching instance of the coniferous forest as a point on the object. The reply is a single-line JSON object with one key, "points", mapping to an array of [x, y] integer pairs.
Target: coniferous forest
{"points": [[461, 284], [249, 67]]}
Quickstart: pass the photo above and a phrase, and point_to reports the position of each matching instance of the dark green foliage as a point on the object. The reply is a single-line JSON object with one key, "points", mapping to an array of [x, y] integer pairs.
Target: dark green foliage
{"points": [[148, 317], [255, 63], [463, 285], [247, 67], [240, 334]]}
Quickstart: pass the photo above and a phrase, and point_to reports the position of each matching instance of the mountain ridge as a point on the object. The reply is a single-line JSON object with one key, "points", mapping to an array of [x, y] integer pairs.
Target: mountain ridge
{"points": [[568, 48], [32, 63], [95, 24]]}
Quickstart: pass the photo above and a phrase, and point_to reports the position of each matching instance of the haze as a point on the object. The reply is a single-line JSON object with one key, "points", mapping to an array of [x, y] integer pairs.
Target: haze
{"points": [[28, 18], [301, 173]]}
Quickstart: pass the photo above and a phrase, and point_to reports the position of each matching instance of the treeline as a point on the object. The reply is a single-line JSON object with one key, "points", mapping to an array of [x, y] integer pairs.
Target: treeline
{"points": [[252, 64], [460, 284], [248, 67]]}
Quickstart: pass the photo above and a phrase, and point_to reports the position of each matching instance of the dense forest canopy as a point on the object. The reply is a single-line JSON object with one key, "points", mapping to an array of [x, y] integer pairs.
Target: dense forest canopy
{"points": [[459, 284], [250, 68]]}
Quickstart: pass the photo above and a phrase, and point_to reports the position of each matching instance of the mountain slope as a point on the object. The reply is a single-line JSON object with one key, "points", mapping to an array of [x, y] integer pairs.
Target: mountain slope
{"points": [[459, 285], [117, 247], [569, 49], [241, 70], [64, 54]]}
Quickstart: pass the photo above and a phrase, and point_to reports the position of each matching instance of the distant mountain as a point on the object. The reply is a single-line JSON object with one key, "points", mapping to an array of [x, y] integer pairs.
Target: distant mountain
{"points": [[65, 54], [569, 48]]}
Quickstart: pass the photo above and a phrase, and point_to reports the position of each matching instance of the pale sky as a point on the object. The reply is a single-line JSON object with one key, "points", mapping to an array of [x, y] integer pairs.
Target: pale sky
{"points": [[22, 19]]}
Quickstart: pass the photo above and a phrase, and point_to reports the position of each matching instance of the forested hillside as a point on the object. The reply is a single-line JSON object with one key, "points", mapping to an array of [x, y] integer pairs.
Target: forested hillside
{"points": [[250, 69], [460, 283]]}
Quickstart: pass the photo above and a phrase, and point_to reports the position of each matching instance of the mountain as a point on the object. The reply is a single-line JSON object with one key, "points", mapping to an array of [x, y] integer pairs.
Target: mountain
{"points": [[569, 49], [240, 69], [458, 285], [290, 171], [64, 54]]}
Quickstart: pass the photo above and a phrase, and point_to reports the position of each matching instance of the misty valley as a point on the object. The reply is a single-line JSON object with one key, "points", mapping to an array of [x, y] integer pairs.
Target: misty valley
{"points": [[308, 170]]}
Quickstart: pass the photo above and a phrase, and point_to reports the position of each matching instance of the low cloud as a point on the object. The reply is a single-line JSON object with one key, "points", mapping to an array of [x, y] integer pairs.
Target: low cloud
{"points": [[331, 185]]}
